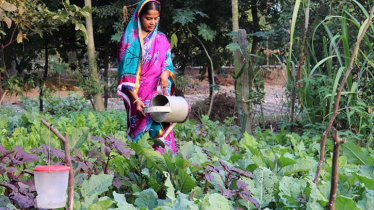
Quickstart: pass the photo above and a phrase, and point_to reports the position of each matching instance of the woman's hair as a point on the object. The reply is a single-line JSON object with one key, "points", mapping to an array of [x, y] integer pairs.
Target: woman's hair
{"points": [[152, 5]]}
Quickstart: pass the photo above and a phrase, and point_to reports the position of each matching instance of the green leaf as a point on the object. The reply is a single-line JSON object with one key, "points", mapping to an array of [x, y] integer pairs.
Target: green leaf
{"points": [[183, 203], [251, 143], [187, 150], [199, 157], [224, 149], [206, 32], [264, 186], [315, 198], [354, 153], [290, 189], [59, 68], [216, 201], [233, 47], [367, 181], [184, 16], [97, 184], [185, 181], [170, 188], [301, 165], [77, 137], [147, 199], [154, 158], [8, 21], [120, 199], [8, 7], [20, 37], [101, 205], [367, 202], [116, 37], [174, 41], [345, 203], [284, 161]]}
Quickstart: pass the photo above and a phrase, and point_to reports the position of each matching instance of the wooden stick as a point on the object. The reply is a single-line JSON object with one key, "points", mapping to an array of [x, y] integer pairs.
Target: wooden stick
{"points": [[335, 169], [67, 161], [338, 95], [2, 98]]}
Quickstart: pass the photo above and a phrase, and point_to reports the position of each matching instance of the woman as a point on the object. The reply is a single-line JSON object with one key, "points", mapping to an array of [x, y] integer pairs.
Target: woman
{"points": [[144, 61]]}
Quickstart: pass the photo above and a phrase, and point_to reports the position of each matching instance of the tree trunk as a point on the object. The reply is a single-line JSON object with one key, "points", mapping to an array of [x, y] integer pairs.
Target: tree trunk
{"points": [[210, 79], [42, 80], [335, 169], [246, 80], [97, 97], [106, 75], [237, 65], [256, 28]]}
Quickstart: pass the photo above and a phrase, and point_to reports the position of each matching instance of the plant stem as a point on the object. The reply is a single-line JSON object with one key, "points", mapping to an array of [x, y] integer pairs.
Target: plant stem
{"points": [[335, 168], [212, 70], [335, 113], [67, 161]]}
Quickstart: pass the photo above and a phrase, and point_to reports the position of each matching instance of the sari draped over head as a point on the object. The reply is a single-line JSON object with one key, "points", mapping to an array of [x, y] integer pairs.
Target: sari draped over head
{"points": [[141, 60]]}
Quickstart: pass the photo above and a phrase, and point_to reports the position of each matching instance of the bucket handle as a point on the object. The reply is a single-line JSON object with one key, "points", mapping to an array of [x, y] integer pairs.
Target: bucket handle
{"points": [[159, 91]]}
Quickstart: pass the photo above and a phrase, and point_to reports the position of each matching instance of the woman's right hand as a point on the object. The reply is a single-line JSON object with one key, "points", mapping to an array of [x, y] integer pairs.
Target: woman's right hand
{"points": [[139, 105]]}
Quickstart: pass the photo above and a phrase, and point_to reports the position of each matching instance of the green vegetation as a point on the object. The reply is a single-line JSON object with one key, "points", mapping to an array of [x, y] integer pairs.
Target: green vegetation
{"points": [[218, 165]]}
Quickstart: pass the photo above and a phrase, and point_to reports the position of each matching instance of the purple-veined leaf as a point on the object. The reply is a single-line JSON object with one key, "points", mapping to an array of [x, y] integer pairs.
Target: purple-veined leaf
{"points": [[117, 183], [243, 173], [3, 151], [248, 197], [209, 177], [229, 193], [93, 153], [198, 165], [232, 177], [209, 168], [220, 187], [224, 165], [58, 153], [21, 155], [105, 150], [89, 164], [2, 168], [11, 169], [23, 188], [97, 138], [241, 185], [83, 166], [10, 186], [78, 153], [30, 183], [303, 199], [22, 200]]}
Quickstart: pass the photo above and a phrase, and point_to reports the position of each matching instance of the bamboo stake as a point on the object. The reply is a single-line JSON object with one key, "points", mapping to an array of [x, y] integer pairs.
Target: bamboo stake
{"points": [[339, 93], [67, 161]]}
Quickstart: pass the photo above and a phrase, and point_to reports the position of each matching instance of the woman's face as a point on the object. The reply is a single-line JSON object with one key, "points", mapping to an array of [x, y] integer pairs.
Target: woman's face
{"points": [[149, 20]]}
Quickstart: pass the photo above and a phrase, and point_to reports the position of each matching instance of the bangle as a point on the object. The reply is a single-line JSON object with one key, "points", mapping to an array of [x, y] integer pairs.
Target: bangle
{"points": [[136, 100]]}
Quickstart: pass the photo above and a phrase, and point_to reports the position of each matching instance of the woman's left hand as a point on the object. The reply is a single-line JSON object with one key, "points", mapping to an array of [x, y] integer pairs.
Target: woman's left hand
{"points": [[164, 79]]}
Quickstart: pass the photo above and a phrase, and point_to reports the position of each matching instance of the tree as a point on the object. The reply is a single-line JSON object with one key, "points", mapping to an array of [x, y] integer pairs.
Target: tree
{"points": [[97, 97], [24, 21]]}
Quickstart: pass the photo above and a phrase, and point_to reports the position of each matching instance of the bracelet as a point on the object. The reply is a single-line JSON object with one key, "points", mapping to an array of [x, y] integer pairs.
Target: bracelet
{"points": [[136, 100]]}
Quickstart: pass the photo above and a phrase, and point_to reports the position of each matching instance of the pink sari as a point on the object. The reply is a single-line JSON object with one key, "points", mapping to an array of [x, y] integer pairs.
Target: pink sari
{"points": [[140, 64]]}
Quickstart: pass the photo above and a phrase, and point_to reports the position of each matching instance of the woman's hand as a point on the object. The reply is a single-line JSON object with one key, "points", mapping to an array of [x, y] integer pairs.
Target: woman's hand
{"points": [[139, 105], [164, 79]]}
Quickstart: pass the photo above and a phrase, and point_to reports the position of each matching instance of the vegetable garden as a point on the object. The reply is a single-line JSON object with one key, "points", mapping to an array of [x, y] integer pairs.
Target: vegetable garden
{"points": [[322, 157]]}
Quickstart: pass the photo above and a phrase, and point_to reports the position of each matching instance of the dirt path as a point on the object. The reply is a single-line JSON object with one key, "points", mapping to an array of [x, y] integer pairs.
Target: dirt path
{"points": [[196, 91]]}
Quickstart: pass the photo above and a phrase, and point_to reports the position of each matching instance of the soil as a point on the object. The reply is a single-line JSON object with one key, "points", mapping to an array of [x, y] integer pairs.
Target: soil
{"points": [[196, 94]]}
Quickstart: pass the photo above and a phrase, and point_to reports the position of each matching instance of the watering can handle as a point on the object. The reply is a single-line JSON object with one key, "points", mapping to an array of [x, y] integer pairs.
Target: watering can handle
{"points": [[159, 91]]}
